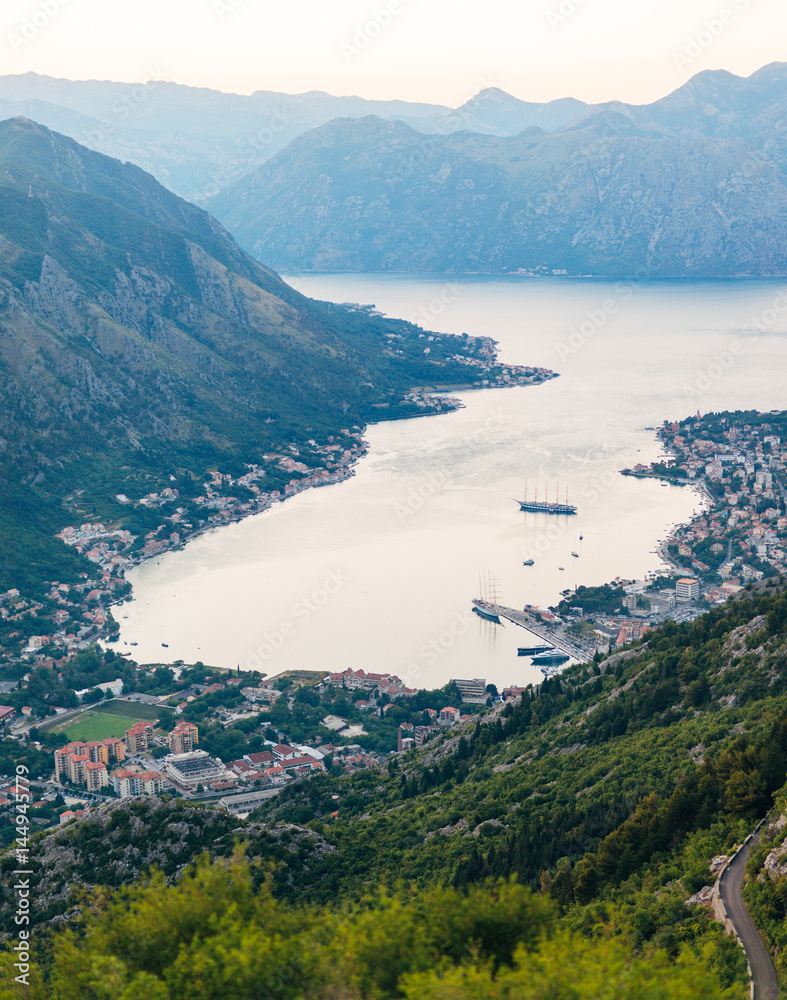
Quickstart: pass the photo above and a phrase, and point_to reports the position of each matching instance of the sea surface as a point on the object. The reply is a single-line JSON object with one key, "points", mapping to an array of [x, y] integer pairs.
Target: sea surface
{"points": [[378, 572]]}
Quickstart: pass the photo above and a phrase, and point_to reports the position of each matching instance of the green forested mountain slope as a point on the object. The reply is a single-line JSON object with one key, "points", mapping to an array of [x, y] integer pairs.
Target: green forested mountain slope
{"points": [[135, 332], [594, 775], [606, 793]]}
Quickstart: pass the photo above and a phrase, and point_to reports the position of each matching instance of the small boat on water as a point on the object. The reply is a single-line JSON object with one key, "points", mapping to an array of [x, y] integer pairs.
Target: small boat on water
{"points": [[575, 555], [532, 650], [529, 562], [165, 645], [551, 671]]}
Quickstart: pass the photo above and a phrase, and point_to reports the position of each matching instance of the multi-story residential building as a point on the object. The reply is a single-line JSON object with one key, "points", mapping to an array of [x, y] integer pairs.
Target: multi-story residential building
{"points": [[129, 783], [76, 768], [138, 737], [183, 738], [687, 589], [448, 716], [71, 759], [96, 776], [61, 758], [116, 749], [97, 750]]}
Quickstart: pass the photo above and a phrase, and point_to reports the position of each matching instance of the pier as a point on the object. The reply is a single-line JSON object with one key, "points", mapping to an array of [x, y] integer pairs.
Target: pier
{"points": [[544, 632]]}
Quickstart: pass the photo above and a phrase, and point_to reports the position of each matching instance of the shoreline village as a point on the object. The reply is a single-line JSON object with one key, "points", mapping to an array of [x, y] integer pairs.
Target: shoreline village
{"points": [[68, 617]]}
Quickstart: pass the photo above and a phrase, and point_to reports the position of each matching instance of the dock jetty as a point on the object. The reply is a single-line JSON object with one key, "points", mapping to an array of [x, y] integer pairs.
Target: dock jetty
{"points": [[549, 635]]}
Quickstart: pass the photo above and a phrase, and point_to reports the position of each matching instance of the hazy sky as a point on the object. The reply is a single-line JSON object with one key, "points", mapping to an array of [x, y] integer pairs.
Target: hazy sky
{"points": [[433, 50]]}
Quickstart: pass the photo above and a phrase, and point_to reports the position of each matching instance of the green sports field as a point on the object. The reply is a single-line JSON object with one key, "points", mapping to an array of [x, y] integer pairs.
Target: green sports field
{"points": [[131, 709], [105, 720], [95, 725]]}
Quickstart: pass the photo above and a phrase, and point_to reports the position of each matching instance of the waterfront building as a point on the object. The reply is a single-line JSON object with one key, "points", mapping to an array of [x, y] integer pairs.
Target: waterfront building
{"points": [[473, 692]]}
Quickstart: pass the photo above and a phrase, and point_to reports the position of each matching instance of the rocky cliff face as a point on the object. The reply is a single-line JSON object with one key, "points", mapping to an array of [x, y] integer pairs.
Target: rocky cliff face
{"points": [[120, 842], [129, 316], [614, 195]]}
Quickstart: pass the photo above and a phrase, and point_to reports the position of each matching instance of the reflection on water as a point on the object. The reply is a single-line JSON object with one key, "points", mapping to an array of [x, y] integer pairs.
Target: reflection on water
{"points": [[378, 572]]}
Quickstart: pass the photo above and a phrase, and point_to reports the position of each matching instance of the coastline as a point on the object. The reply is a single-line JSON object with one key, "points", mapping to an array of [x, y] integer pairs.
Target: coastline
{"points": [[733, 461], [108, 632]]}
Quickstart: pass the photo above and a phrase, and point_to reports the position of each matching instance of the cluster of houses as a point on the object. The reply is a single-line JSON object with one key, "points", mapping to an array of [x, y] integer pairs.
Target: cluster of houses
{"points": [[747, 468], [110, 549], [355, 680], [278, 765], [74, 614]]}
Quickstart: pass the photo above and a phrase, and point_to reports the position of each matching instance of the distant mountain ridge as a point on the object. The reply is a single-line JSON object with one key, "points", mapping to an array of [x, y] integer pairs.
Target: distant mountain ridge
{"points": [[692, 185], [714, 206], [197, 141]]}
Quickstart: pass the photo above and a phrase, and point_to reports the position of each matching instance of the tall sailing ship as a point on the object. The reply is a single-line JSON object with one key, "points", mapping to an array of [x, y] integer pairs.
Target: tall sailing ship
{"points": [[487, 604], [546, 506]]}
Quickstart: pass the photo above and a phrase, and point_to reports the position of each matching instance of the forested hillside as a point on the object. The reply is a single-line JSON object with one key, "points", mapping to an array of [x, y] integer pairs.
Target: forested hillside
{"points": [[578, 821], [140, 347]]}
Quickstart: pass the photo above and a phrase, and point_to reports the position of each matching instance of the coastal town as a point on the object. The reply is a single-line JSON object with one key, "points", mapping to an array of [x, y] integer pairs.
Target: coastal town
{"points": [[70, 616], [249, 756], [100, 725], [739, 462]]}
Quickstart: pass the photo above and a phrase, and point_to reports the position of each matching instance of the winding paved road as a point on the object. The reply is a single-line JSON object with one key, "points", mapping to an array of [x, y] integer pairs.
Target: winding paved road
{"points": [[766, 986]]}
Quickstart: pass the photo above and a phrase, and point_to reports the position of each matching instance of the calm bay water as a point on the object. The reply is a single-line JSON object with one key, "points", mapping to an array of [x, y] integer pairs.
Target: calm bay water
{"points": [[378, 572]]}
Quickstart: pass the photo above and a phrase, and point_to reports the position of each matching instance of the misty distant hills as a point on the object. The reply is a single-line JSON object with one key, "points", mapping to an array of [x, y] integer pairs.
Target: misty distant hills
{"points": [[692, 185], [197, 141]]}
